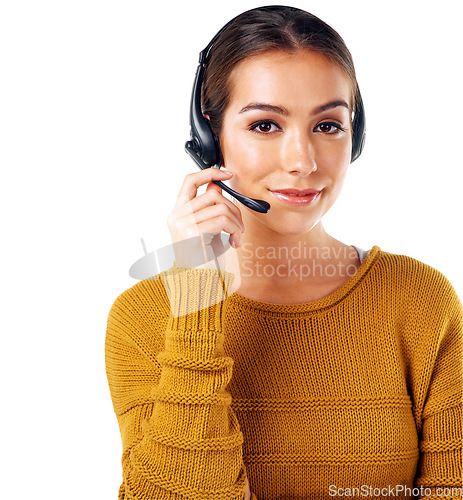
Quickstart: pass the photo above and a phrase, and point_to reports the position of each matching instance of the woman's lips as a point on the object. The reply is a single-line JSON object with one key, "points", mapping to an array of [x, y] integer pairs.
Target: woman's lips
{"points": [[294, 199]]}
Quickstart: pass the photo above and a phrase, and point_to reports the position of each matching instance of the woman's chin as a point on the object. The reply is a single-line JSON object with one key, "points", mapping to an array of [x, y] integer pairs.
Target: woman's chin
{"points": [[292, 227]]}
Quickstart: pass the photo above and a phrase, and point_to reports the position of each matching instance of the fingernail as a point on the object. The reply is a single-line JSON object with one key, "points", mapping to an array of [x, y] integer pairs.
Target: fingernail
{"points": [[227, 172]]}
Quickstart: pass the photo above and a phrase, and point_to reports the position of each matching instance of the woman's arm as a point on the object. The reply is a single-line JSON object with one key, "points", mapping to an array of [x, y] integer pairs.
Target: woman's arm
{"points": [[440, 423], [180, 437]]}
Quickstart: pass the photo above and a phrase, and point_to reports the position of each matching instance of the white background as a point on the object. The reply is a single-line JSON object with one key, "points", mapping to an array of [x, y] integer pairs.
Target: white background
{"points": [[94, 115]]}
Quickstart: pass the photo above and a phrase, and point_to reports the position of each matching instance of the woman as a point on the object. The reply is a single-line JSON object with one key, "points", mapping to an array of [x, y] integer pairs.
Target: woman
{"points": [[346, 364]]}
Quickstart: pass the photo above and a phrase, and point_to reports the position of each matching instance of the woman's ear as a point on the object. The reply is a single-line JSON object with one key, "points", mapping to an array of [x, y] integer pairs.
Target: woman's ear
{"points": [[207, 116]]}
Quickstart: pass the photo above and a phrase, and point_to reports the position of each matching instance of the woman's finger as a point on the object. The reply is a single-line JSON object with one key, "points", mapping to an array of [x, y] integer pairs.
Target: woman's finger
{"points": [[213, 195], [215, 219], [193, 181]]}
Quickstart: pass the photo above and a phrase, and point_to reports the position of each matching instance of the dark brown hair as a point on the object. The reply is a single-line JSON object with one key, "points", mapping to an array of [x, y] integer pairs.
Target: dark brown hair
{"points": [[261, 30]]}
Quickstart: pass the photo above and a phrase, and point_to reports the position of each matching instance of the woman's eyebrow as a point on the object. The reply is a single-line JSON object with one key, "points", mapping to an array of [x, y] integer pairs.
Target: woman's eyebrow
{"points": [[330, 105], [262, 106], [265, 107]]}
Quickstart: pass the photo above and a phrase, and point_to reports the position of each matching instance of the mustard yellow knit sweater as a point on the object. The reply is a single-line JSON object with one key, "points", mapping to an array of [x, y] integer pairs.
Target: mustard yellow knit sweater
{"points": [[361, 389]]}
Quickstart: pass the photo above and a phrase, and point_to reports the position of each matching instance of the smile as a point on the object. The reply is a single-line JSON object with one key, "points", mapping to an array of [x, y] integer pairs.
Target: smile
{"points": [[295, 199]]}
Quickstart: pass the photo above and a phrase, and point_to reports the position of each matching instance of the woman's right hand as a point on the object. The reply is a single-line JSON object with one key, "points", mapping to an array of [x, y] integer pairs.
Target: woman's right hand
{"points": [[247, 493], [196, 223]]}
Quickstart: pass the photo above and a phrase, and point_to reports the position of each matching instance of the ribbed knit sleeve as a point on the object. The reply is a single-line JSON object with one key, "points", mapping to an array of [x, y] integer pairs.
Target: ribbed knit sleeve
{"points": [[180, 436], [440, 464]]}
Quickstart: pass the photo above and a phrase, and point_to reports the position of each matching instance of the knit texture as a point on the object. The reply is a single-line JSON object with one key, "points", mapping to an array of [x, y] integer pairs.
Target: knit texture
{"points": [[361, 389]]}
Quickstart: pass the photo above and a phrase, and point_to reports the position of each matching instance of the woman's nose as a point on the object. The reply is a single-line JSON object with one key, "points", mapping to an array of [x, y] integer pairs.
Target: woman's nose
{"points": [[298, 153]]}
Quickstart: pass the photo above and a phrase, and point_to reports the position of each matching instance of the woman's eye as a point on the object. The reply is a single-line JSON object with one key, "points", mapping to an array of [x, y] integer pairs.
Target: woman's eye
{"points": [[330, 128], [264, 127]]}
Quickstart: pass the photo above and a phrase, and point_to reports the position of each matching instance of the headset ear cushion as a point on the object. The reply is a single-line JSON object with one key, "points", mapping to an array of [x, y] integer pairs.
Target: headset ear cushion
{"points": [[358, 126], [215, 139], [218, 150], [207, 140]]}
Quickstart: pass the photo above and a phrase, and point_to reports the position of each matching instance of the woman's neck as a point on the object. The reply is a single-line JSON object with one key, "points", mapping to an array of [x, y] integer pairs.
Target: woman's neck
{"points": [[280, 260]]}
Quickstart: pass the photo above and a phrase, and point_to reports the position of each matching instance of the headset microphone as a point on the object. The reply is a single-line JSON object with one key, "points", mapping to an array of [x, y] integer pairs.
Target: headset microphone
{"points": [[204, 145], [258, 205]]}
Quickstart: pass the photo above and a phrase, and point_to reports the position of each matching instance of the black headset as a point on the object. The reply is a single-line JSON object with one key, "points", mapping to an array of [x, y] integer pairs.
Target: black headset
{"points": [[204, 146]]}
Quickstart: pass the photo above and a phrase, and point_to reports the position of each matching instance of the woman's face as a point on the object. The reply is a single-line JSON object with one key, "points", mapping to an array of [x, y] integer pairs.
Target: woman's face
{"points": [[287, 126]]}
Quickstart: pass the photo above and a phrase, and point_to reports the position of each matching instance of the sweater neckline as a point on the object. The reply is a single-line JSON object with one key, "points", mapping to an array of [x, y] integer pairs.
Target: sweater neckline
{"points": [[324, 303]]}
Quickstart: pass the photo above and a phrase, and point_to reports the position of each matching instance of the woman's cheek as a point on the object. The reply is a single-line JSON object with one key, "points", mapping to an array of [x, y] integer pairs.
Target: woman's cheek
{"points": [[338, 155], [251, 157]]}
